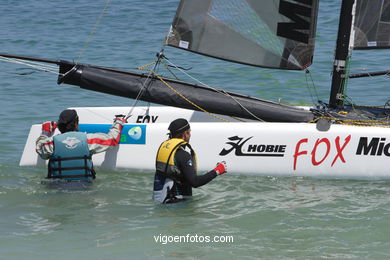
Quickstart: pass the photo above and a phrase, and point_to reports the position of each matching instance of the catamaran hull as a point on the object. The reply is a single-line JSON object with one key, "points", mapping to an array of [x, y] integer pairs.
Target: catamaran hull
{"points": [[179, 94], [272, 149]]}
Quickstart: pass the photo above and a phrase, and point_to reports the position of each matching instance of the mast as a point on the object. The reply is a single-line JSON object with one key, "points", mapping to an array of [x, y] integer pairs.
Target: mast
{"points": [[342, 52]]}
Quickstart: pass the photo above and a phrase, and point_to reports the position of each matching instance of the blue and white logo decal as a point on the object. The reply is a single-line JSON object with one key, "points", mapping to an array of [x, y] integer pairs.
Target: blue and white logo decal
{"points": [[131, 134], [135, 133]]}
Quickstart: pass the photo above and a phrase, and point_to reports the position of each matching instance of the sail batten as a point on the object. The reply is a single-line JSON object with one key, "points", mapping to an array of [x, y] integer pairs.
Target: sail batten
{"points": [[246, 31]]}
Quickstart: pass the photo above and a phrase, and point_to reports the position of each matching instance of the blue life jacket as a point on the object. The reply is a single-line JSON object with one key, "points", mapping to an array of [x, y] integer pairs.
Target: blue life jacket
{"points": [[71, 159]]}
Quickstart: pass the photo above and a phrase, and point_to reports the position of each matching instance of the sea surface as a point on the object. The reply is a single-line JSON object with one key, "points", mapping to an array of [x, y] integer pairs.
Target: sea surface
{"points": [[115, 218]]}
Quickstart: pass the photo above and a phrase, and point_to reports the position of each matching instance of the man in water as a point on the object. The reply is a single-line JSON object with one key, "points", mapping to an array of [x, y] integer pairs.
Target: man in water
{"points": [[176, 166], [70, 152]]}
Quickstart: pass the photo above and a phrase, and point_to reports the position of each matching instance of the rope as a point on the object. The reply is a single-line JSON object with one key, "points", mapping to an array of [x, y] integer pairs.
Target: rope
{"points": [[177, 92], [249, 112], [186, 99], [216, 90], [108, 119], [347, 70], [311, 87], [34, 65], [147, 65], [93, 31], [155, 63], [357, 122]]}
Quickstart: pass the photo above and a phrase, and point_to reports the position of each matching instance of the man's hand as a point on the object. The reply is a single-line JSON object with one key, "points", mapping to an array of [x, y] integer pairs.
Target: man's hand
{"points": [[48, 128], [220, 168]]}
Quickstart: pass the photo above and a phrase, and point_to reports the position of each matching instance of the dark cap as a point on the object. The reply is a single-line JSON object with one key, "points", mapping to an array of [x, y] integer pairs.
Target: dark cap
{"points": [[67, 116], [178, 126]]}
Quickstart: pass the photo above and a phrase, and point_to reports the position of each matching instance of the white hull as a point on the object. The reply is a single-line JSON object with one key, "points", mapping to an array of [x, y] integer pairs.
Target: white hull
{"points": [[274, 149]]}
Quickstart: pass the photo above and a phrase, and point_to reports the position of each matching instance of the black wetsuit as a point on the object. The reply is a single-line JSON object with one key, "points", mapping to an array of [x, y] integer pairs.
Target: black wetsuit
{"points": [[189, 179]]}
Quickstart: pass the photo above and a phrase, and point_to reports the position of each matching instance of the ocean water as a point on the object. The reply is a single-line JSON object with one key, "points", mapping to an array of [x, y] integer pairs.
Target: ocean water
{"points": [[115, 218]]}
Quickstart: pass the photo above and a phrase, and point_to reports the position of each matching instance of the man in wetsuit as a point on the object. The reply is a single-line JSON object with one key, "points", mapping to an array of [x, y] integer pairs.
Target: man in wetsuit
{"points": [[176, 166], [70, 153]]}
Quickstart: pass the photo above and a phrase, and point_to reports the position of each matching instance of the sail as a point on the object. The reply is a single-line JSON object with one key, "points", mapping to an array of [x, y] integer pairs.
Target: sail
{"points": [[273, 33], [372, 24]]}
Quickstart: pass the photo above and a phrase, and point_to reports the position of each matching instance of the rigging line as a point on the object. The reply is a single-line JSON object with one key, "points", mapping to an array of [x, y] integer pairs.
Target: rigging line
{"points": [[203, 110], [41, 67], [345, 89], [314, 86], [93, 31], [357, 122], [156, 64], [28, 63], [143, 85], [238, 119], [191, 77], [170, 71], [347, 70], [249, 112], [216, 90], [309, 88], [350, 100], [152, 71], [98, 114], [186, 99]]}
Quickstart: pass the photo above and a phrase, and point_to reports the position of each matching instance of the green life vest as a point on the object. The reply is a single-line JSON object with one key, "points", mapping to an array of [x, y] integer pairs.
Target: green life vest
{"points": [[71, 159]]}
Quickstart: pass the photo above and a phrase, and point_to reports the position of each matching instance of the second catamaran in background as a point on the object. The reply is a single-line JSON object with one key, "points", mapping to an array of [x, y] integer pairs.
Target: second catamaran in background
{"points": [[276, 34]]}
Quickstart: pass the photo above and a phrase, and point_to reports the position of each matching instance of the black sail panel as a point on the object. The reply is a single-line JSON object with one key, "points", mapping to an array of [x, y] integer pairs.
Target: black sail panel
{"points": [[372, 24], [273, 33]]}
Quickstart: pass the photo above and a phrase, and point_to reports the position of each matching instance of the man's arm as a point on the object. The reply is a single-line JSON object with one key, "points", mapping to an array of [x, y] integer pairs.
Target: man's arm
{"points": [[187, 167], [44, 145], [100, 142]]}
